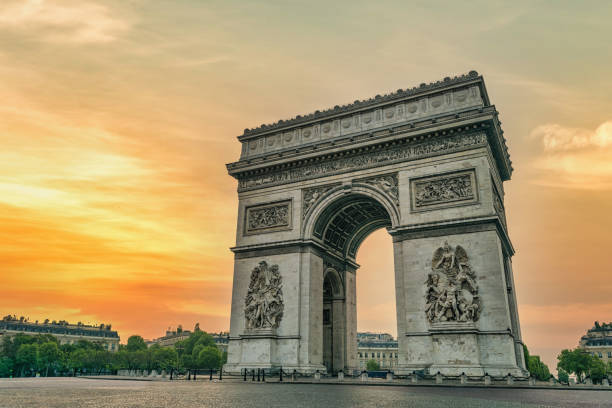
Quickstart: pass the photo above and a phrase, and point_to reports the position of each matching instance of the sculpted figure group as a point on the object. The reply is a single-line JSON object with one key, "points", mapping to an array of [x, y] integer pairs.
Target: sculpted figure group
{"points": [[442, 190], [264, 300], [452, 291]]}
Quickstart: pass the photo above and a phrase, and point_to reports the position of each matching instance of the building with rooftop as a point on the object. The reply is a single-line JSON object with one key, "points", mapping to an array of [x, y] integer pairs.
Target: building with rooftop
{"points": [[598, 341], [380, 347], [65, 332]]}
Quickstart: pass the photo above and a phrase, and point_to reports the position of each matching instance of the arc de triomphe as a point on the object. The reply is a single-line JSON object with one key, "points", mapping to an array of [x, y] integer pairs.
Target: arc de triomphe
{"points": [[428, 164]]}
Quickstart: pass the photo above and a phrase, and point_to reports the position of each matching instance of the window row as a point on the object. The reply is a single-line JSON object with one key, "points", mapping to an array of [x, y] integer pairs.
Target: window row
{"points": [[376, 355]]}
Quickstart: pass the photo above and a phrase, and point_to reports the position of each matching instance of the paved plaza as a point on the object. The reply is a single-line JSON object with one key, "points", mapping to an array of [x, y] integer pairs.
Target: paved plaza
{"points": [[79, 392]]}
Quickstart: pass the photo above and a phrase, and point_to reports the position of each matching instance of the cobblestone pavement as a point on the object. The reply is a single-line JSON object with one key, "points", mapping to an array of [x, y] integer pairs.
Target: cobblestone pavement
{"points": [[78, 392]]}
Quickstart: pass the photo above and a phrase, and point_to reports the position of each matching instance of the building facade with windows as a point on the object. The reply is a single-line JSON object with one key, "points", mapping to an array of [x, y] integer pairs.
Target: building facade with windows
{"points": [[380, 347], [65, 332], [598, 341]]}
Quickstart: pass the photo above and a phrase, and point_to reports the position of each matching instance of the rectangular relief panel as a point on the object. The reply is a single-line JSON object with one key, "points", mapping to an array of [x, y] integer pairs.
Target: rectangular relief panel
{"points": [[444, 190], [269, 217]]}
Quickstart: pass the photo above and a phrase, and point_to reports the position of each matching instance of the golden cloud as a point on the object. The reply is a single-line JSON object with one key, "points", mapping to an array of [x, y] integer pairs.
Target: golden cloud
{"points": [[575, 157]]}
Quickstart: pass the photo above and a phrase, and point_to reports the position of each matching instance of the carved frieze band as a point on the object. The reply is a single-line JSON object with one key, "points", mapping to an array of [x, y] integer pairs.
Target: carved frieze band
{"points": [[268, 217], [311, 195], [366, 160], [386, 183], [446, 190]]}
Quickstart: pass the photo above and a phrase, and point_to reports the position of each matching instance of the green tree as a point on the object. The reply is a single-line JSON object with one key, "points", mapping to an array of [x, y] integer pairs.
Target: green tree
{"points": [[538, 369], [196, 338], [209, 357], [597, 370], [26, 358], [6, 366], [165, 358], [575, 361], [77, 360], [136, 343], [563, 376], [372, 365], [48, 355]]}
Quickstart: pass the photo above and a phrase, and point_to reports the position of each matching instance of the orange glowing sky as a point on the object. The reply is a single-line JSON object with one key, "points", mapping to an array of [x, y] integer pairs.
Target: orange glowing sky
{"points": [[118, 117]]}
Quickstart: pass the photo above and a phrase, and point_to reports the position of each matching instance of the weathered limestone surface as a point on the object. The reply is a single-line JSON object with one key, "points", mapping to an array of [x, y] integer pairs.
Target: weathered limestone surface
{"points": [[428, 164]]}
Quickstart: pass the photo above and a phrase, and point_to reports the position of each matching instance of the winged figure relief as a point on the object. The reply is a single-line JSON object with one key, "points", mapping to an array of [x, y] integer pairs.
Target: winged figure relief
{"points": [[452, 291]]}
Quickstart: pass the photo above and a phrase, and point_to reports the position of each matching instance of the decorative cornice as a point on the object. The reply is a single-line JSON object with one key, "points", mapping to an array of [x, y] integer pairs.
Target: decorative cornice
{"points": [[359, 104], [371, 157]]}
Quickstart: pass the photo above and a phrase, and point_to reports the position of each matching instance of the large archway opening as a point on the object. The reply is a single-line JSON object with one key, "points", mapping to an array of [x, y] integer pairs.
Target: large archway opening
{"points": [[376, 307], [343, 225]]}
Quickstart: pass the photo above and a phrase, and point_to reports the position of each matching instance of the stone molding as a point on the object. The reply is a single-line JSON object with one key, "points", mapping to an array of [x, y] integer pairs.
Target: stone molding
{"points": [[454, 227], [402, 152], [444, 190], [268, 217], [498, 205]]}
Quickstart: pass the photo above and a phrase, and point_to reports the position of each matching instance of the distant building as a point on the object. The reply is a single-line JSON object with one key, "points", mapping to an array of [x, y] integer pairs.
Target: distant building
{"points": [[174, 336], [380, 347], [221, 340], [598, 341], [170, 338], [65, 332]]}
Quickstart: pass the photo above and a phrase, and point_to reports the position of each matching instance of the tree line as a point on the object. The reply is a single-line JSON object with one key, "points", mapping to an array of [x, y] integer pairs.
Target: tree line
{"points": [[30, 355]]}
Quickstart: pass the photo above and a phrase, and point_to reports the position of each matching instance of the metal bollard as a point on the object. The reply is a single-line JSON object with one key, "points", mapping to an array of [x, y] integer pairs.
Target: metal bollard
{"points": [[253, 374], [245, 373], [258, 374], [293, 376], [263, 375], [221, 374], [195, 372], [210, 378], [280, 376]]}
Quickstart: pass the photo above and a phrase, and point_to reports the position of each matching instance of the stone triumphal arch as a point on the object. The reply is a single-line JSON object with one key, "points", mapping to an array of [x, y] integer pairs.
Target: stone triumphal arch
{"points": [[428, 164]]}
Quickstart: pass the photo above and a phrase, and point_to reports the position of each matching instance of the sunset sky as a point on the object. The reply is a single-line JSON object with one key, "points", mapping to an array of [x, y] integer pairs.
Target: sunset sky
{"points": [[117, 119]]}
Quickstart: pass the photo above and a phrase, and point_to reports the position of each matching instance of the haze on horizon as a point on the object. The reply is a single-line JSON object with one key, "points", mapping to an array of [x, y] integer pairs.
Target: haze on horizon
{"points": [[119, 117]]}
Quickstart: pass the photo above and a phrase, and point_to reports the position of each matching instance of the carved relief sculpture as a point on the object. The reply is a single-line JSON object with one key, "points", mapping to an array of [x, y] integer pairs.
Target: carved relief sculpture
{"points": [[452, 291], [387, 184], [441, 190], [311, 195], [268, 217], [263, 306]]}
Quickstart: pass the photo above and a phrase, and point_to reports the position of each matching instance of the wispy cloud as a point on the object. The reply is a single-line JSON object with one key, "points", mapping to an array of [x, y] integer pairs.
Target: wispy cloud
{"points": [[557, 138], [77, 22], [575, 157]]}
